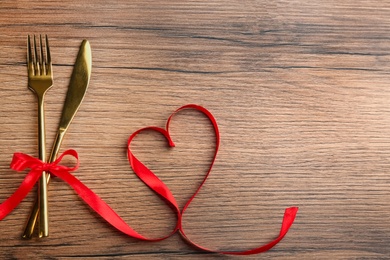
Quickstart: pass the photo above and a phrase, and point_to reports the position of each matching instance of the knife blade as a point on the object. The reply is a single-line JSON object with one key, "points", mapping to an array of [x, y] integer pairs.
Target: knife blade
{"points": [[76, 91]]}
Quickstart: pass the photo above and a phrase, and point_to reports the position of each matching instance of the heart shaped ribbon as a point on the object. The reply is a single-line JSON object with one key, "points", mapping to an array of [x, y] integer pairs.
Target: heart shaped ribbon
{"points": [[158, 186]]}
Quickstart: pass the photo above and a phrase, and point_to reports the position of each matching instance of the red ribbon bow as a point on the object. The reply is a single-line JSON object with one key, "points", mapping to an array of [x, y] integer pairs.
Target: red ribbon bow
{"points": [[22, 161]]}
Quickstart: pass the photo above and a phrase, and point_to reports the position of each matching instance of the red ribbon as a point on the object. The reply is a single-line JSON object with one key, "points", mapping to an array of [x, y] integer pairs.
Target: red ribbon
{"points": [[155, 184], [22, 161]]}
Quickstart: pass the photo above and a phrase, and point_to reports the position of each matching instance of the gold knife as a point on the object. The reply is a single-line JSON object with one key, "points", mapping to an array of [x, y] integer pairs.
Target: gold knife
{"points": [[76, 91]]}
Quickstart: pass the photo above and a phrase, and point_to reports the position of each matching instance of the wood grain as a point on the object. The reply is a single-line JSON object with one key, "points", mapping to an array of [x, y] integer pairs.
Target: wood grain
{"points": [[300, 90]]}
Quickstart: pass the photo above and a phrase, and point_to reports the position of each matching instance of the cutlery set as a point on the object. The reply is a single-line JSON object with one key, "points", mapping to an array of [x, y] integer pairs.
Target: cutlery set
{"points": [[40, 80]]}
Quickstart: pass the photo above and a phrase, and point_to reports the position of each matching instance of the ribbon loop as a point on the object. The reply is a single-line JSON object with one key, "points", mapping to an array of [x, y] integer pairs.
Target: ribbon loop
{"points": [[21, 161], [71, 153]]}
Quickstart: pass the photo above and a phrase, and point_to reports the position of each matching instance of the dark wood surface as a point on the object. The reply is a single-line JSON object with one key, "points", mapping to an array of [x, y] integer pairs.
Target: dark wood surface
{"points": [[301, 92]]}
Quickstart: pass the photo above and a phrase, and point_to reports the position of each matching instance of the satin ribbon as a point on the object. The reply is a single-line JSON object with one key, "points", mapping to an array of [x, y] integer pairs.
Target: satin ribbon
{"points": [[22, 161], [158, 186]]}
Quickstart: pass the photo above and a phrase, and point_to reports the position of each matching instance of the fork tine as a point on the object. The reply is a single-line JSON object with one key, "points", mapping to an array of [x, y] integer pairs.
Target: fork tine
{"points": [[30, 67], [29, 54], [42, 59], [36, 58], [48, 56]]}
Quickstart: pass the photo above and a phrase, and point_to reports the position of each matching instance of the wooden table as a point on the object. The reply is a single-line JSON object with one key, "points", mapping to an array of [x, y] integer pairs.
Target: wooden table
{"points": [[301, 93]]}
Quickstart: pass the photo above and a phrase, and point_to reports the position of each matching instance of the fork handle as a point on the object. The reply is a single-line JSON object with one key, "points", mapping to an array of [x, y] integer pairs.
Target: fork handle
{"points": [[41, 203], [42, 185]]}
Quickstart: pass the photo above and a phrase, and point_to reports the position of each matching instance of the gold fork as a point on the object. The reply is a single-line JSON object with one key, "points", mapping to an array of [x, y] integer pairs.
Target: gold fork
{"points": [[40, 79]]}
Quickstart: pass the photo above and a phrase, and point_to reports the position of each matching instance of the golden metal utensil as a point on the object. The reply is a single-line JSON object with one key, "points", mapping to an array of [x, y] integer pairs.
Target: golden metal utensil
{"points": [[40, 79], [76, 91]]}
